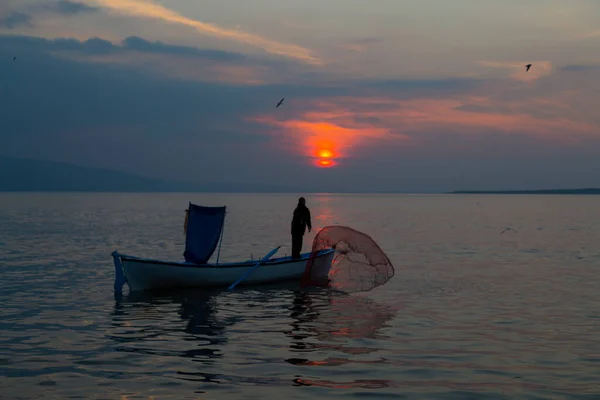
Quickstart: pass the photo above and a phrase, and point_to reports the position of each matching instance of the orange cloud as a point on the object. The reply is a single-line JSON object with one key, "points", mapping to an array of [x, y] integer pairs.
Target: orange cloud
{"points": [[147, 9], [422, 116], [591, 35], [438, 113], [327, 136], [558, 112], [353, 122]]}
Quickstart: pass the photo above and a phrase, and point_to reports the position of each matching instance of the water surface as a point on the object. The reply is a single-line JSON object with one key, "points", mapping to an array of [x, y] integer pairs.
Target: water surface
{"points": [[470, 313]]}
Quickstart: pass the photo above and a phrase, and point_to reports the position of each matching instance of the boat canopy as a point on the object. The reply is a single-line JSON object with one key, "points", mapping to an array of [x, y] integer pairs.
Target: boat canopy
{"points": [[204, 229]]}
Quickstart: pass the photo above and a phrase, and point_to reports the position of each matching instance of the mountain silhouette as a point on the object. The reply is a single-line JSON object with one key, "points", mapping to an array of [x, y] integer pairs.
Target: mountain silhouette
{"points": [[31, 175]]}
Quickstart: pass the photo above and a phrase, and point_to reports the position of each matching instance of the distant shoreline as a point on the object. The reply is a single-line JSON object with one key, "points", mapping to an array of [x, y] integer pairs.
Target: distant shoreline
{"points": [[543, 191]]}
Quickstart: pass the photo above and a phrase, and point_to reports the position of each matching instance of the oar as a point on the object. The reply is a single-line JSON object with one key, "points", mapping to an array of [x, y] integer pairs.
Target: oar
{"points": [[265, 258]]}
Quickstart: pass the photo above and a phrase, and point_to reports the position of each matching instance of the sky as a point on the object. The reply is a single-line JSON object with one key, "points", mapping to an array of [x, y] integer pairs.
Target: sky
{"points": [[385, 95]]}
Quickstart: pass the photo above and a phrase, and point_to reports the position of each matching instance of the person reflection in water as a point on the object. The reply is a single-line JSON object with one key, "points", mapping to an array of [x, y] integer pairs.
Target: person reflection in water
{"points": [[300, 222]]}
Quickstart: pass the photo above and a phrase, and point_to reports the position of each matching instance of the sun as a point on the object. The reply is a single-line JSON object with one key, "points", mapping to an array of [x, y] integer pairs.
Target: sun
{"points": [[323, 163], [324, 153], [325, 156]]}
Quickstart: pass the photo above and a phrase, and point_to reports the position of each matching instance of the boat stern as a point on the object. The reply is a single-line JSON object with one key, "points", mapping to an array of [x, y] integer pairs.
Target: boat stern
{"points": [[120, 279], [317, 268]]}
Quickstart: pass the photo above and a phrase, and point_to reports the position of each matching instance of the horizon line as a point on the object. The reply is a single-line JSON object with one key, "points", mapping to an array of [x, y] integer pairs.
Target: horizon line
{"points": [[314, 192]]}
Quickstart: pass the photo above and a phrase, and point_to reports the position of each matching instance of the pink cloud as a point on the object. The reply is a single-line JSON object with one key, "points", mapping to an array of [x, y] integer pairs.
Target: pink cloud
{"points": [[151, 10], [348, 123], [316, 134]]}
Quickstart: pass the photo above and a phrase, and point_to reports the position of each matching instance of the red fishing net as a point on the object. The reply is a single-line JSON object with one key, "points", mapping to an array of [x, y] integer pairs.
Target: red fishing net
{"points": [[359, 264]]}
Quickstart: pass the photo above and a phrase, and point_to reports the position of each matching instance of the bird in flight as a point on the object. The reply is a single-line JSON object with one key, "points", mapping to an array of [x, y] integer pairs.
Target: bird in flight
{"points": [[14, 58], [509, 229], [280, 103], [527, 66]]}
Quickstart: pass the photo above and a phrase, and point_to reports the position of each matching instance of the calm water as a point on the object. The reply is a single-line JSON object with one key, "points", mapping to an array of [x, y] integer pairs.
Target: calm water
{"points": [[470, 313]]}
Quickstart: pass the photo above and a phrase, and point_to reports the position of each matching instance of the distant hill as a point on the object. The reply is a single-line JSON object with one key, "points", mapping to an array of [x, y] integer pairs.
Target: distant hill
{"points": [[28, 175], [543, 191]]}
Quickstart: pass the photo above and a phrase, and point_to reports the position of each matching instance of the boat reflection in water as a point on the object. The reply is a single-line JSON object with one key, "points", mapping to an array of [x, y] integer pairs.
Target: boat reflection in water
{"points": [[333, 322], [227, 335], [182, 324]]}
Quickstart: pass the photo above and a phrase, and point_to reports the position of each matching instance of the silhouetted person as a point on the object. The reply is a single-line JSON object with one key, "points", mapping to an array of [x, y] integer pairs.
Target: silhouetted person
{"points": [[300, 222]]}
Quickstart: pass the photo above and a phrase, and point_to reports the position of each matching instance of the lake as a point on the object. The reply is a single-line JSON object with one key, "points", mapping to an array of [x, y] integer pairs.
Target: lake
{"points": [[471, 313]]}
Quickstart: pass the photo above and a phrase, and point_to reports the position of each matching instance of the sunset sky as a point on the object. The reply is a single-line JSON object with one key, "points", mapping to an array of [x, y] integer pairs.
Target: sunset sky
{"points": [[398, 95]]}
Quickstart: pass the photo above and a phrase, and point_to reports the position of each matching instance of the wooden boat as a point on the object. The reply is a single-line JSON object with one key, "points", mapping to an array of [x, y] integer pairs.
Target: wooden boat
{"points": [[148, 274], [204, 228]]}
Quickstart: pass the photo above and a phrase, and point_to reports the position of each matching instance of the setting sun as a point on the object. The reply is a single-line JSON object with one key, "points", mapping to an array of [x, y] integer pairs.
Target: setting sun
{"points": [[325, 163], [325, 156], [325, 153], [325, 138]]}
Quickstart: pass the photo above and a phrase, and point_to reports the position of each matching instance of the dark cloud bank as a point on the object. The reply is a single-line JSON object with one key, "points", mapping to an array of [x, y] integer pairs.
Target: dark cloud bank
{"points": [[15, 20]]}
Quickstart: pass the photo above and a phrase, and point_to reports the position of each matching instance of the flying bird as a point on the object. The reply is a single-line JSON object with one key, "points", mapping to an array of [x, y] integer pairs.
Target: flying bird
{"points": [[280, 103], [14, 58], [527, 66], [509, 229]]}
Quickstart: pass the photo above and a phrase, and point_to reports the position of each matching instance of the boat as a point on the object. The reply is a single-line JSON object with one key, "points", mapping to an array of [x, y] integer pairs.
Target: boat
{"points": [[204, 232]]}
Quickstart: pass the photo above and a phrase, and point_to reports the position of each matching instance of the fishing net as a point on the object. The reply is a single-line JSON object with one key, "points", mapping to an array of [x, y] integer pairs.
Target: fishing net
{"points": [[359, 264]]}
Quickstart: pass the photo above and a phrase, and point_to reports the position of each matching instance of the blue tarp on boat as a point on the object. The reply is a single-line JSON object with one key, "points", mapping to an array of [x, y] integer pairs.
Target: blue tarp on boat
{"points": [[204, 227]]}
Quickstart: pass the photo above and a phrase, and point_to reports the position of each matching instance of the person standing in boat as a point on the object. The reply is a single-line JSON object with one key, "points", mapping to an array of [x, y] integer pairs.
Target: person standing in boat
{"points": [[300, 222]]}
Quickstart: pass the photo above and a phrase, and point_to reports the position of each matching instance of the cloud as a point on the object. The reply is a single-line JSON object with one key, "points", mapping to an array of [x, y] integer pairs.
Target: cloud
{"points": [[92, 113], [332, 132], [182, 62], [147, 9], [72, 7], [58, 102], [539, 69], [580, 68], [36, 45], [420, 87], [63, 79], [592, 34], [345, 125], [139, 44], [360, 45], [16, 19]]}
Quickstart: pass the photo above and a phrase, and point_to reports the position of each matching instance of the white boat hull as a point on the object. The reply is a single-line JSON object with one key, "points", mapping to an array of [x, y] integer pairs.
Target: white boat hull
{"points": [[147, 274]]}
